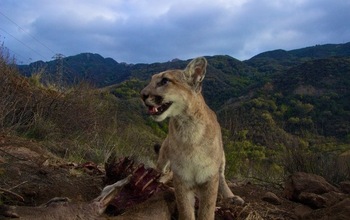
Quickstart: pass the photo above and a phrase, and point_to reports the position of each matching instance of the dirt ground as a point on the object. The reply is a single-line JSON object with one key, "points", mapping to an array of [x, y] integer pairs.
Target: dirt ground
{"points": [[31, 176]]}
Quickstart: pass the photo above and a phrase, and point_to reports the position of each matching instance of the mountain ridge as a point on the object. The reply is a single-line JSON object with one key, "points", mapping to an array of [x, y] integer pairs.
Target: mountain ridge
{"points": [[101, 71]]}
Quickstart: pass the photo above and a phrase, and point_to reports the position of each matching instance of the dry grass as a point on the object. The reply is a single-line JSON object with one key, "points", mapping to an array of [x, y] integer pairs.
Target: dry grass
{"points": [[77, 123]]}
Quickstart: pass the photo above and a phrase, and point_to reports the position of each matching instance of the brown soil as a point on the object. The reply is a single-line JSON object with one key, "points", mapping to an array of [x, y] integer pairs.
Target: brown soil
{"points": [[27, 170], [31, 176]]}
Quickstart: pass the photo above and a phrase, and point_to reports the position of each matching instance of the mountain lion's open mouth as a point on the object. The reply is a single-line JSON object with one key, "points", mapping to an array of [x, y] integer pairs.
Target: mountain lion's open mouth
{"points": [[153, 110]]}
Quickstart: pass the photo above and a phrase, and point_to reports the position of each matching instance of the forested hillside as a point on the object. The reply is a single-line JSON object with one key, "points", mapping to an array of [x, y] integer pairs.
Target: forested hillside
{"points": [[299, 118], [281, 111]]}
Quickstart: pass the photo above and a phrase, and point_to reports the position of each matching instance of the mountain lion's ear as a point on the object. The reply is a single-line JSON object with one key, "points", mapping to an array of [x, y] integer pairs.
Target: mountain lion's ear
{"points": [[195, 73]]}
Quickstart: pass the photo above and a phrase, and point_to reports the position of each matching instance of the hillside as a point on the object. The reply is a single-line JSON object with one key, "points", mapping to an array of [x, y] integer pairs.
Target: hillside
{"points": [[77, 123], [226, 75], [278, 109], [279, 60], [281, 112], [311, 97], [92, 68]]}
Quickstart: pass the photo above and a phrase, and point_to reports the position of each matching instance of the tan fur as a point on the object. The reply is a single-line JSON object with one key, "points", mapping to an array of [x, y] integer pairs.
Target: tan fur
{"points": [[193, 148]]}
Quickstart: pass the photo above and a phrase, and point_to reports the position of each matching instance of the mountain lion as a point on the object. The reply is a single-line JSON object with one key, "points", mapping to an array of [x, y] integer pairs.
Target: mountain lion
{"points": [[193, 148]]}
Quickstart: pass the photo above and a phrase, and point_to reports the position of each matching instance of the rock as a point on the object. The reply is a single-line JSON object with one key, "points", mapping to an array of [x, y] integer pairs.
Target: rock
{"points": [[334, 197], [321, 201], [302, 210], [305, 182], [345, 186], [340, 211], [313, 200], [271, 198]]}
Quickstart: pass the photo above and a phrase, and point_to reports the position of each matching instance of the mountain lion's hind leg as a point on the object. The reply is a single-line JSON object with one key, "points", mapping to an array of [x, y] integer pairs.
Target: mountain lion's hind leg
{"points": [[224, 190]]}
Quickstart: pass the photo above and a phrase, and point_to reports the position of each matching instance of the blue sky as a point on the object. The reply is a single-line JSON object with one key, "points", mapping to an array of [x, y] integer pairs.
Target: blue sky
{"points": [[147, 31]]}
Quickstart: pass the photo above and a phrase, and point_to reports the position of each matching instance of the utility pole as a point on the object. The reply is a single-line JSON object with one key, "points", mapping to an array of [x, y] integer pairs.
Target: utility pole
{"points": [[59, 67]]}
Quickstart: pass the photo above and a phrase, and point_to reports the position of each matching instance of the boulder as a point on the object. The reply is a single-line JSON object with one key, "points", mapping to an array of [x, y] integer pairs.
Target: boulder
{"points": [[339, 211], [308, 183], [312, 190], [321, 201], [272, 198], [345, 186], [302, 210], [334, 198], [312, 200]]}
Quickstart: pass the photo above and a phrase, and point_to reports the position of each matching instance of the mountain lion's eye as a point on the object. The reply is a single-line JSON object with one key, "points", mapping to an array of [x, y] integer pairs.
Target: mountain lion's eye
{"points": [[163, 81]]}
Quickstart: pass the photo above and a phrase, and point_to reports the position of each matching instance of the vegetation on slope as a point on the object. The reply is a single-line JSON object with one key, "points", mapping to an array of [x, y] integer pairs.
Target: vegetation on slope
{"points": [[77, 123], [281, 111], [297, 121]]}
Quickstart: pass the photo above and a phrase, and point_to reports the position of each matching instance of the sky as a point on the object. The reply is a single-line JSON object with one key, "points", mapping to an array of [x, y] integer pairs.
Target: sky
{"points": [[148, 31]]}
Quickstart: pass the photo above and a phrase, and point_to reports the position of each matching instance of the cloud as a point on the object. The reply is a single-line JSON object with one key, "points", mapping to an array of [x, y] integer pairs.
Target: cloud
{"points": [[136, 31]]}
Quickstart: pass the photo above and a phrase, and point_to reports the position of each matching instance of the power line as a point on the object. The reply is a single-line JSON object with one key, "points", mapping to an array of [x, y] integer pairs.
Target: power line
{"points": [[23, 43], [27, 32], [57, 56]]}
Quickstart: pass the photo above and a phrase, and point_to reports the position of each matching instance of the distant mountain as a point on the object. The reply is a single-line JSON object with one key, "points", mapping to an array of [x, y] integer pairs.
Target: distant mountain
{"points": [[101, 72], [89, 67], [225, 74], [229, 77], [276, 60], [314, 52]]}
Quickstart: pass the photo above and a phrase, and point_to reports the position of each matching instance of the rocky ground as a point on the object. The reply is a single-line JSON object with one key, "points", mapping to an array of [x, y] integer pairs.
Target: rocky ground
{"points": [[30, 176]]}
